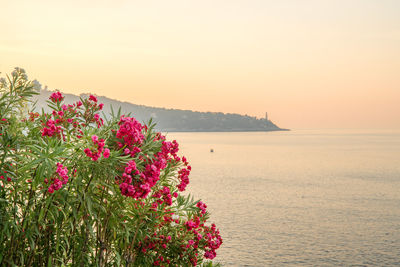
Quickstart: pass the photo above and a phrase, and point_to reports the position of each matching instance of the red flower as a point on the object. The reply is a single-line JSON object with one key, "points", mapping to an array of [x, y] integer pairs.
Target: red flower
{"points": [[93, 98], [56, 97]]}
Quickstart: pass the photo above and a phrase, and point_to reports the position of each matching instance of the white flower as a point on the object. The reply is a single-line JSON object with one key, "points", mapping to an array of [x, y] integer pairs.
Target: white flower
{"points": [[173, 224], [25, 131], [19, 71], [175, 217], [36, 85]]}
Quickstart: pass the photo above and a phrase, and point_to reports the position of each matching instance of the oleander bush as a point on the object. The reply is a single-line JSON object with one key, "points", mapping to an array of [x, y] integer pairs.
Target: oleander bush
{"points": [[77, 189]]}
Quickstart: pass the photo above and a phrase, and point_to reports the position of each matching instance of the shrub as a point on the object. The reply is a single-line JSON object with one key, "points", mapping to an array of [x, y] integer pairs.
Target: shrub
{"points": [[80, 190]]}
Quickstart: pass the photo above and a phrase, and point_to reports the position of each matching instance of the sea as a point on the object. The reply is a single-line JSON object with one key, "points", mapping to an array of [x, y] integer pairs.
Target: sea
{"points": [[300, 197]]}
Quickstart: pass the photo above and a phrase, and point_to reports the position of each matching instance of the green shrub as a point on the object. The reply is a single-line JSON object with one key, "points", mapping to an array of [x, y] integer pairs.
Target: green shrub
{"points": [[79, 191]]}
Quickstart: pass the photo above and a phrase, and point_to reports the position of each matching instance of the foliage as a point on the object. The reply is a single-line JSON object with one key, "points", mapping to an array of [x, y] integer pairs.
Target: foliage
{"points": [[79, 191]]}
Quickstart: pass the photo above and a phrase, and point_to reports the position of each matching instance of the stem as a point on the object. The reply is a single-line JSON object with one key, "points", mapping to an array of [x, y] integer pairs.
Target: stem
{"points": [[29, 199], [86, 188], [14, 217], [48, 236], [37, 237], [23, 221], [85, 234], [134, 240], [103, 238], [98, 233], [74, 221]]}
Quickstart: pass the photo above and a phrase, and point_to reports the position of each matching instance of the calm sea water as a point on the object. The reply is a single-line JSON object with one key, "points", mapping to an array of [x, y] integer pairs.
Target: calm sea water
{"points": [[300, 198]]}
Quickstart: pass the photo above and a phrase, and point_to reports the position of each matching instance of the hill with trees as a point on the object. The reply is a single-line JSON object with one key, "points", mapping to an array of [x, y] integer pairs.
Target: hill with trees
{"points": [[175, 120]]}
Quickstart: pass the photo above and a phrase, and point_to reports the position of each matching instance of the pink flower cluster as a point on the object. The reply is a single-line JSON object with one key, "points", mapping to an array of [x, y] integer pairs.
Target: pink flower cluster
{"points": [[131, 136], [126, 187], [171, 148], [192, 223], [95, 154], [163, 196], [158, 243], [141, 185], [99, 121], [184, 177], [210, 235], [51, 129], [93, 98], [91, 107], [202, 207], [193, 237], [151, 173], [70, 115], [62, 173], [169, 152], [204, 236], [56, 97], [130, 131], [146, 179], [214, 241]]}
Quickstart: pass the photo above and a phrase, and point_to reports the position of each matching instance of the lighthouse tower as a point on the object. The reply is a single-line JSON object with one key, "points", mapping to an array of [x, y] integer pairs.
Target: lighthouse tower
{"points": [[266, 116]]}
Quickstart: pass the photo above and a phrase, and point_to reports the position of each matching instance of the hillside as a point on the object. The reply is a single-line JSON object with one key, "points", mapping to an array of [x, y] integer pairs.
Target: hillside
{"points": [[175, 120]]}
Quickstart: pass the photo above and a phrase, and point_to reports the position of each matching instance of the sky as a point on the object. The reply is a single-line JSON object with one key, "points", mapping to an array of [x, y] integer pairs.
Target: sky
{"points": [[309, 63]]}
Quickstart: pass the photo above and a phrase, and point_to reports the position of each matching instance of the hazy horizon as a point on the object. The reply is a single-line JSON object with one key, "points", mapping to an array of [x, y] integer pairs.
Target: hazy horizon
{"points": [[310, 65]]}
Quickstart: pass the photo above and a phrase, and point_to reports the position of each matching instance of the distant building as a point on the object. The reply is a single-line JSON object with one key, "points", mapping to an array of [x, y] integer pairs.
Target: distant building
{"points": [[266, 116]]}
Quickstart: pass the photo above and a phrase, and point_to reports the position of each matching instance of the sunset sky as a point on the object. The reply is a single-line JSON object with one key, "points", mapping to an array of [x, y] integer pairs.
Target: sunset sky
{"points": [[310, 63]]}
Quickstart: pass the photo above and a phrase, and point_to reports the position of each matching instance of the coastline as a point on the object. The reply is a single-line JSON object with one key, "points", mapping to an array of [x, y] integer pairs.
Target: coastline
{"points": [[222, 130]]}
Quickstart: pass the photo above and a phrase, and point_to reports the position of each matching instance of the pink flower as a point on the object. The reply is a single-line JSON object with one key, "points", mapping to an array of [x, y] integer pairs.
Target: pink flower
{"points": [[88, 152], [96, 154], [202, 207], [130, 131], [95, 139], [190, 225], [56, 97], [51, 128], [62, 173], [106, 153], [93, 98]]}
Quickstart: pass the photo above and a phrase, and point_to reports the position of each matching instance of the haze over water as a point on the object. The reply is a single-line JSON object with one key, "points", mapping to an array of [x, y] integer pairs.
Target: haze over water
{"points": [[300, 198]]}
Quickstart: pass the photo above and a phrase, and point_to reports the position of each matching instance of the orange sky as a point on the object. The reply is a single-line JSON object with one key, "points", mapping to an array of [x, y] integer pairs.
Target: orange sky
{"points": [[310, 64]]}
